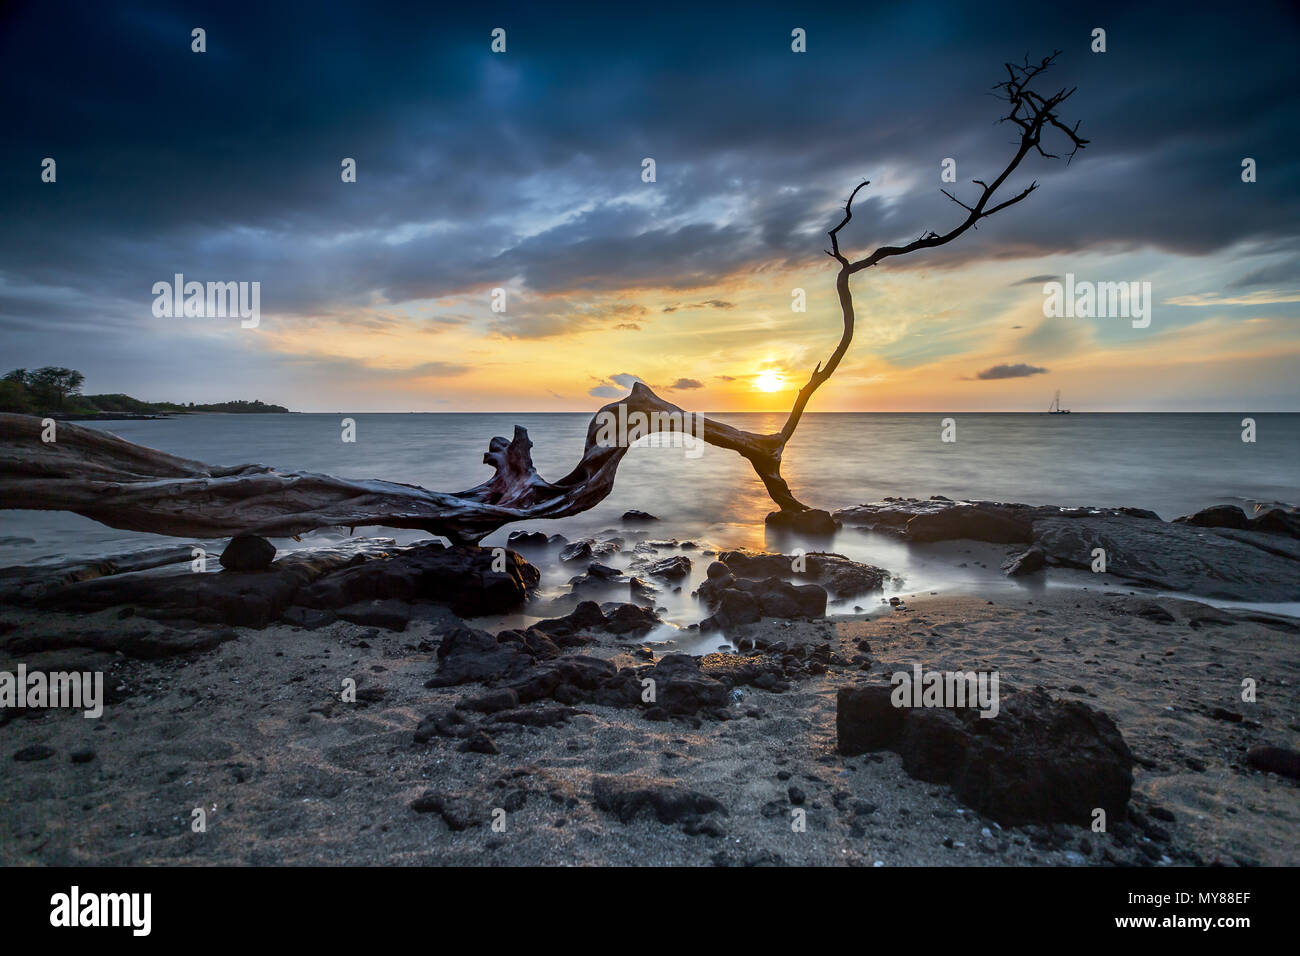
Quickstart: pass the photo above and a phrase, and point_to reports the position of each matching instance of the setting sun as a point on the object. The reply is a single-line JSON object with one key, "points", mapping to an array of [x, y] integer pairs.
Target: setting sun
{"points": [[769, 380]]}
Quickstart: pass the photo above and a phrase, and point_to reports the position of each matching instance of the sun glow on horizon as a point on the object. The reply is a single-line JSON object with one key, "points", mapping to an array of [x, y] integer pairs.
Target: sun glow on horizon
{"points": [[769, 380]]}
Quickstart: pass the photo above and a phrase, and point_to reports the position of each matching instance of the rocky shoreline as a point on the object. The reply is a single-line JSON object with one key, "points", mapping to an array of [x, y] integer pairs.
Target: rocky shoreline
{"points": [[581, 736]]}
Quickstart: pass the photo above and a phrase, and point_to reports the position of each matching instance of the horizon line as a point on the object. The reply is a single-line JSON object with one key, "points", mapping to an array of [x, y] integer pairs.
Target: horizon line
{"points": [[1020, 411]]}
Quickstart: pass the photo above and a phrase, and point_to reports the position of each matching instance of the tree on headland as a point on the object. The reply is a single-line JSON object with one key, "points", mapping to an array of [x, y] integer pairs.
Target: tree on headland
{"points": [[257, 499], [13, 392], [53, 384], [44, 388]]}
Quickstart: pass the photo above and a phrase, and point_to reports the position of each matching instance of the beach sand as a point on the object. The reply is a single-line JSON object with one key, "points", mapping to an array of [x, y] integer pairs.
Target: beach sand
{"points": [[255, 733]]}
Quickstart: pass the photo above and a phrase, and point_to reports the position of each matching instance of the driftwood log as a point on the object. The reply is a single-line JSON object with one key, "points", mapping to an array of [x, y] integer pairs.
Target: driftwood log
{"points": [[128, 486]]}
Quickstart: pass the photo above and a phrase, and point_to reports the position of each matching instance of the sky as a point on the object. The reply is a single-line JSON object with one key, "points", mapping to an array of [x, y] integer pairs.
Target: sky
{"points": [[522, 171]]}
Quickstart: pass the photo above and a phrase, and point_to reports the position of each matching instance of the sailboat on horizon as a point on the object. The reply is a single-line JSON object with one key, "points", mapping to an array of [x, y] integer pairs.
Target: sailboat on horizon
{"points": [[1055, 408]]}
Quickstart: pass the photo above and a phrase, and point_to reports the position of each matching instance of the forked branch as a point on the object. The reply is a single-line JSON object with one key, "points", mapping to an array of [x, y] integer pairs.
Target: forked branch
{"points": [[1032, 113]]}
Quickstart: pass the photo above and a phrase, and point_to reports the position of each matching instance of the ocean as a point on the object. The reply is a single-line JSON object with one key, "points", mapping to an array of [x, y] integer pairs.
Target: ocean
{"points": [[1173, 464]]}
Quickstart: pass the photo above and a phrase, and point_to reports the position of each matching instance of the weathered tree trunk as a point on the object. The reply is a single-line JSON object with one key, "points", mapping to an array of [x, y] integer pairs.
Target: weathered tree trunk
{"points": [[128, 486]]}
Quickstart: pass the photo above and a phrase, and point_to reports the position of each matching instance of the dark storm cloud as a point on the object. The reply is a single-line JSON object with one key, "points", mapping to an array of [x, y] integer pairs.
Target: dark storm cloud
{"points": [[475, 170], [1019, 370]]}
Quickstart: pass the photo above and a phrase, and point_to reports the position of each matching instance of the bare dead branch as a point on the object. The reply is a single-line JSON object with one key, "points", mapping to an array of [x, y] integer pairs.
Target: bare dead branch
{"points": [[1031, 112]]}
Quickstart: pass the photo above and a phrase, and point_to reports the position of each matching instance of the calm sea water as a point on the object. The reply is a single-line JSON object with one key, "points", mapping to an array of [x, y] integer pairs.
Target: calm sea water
{"points": [[1171, 463]]}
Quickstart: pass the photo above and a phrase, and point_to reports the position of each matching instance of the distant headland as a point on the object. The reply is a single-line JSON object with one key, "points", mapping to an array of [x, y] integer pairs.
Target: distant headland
{"points": [[56, 392]]}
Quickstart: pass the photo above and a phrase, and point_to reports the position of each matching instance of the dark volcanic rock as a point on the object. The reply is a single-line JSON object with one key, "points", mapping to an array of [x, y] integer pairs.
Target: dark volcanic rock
{"points": [[1277, 521], [248, 552], [1147, 610], [638, 517], [542, 692], [811, 522], [777, 598], [630, 619], [33, 753], [678, 566], [516, 786], [765, 672], [745, 600], [467, 655], [603, 572], [841, 576], [614, 617], [527, 539], [1210, 562], [611, 543], [463, 578], [568, 680], [1216, 553], [736, 607], [1220, 516], [586, 616], [1038, 760], [1273, 521], [26, 585], [503, 698], [866, 720], [242, 599], [597, 577], [627, 797], [154, 645], [577, 551], [390, 614], [682, 689], [974, 522], [146, 642], [458, 811], [1276, 760], [1026, 563], [1006, 522], [941, 519], [744, 563], [479, 743], [443, 722]]}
